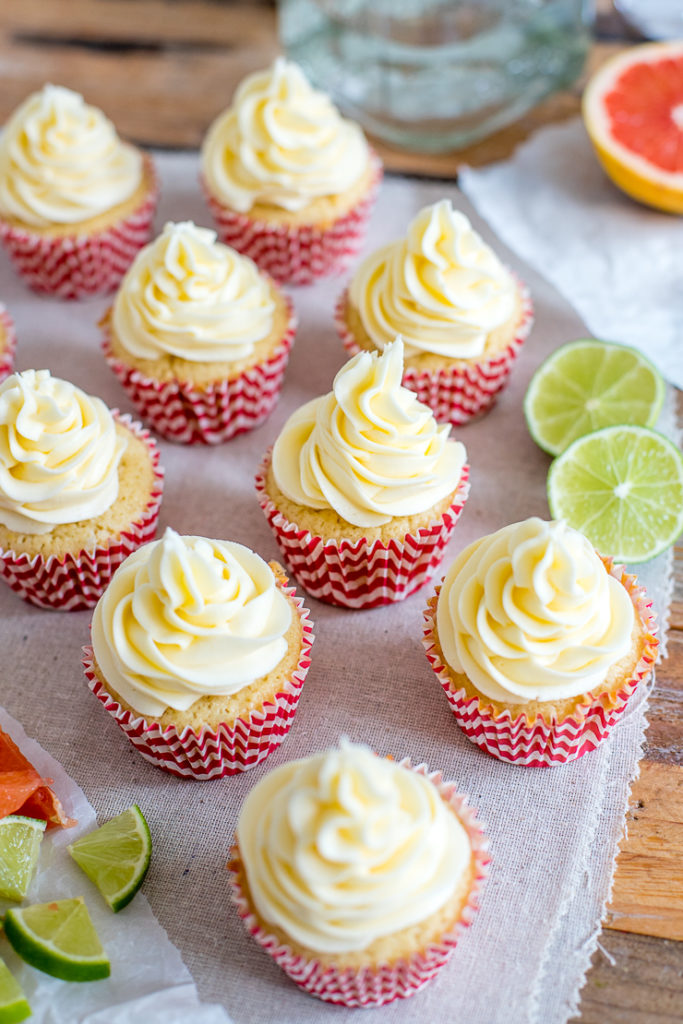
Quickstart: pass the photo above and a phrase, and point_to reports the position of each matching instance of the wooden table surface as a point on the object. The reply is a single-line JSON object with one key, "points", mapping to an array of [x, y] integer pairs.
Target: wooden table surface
{"points": [[162, 69]]}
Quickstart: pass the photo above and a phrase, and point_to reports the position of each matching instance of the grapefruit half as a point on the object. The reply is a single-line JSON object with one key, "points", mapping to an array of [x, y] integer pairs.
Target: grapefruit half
{"points": [[633, 112]]}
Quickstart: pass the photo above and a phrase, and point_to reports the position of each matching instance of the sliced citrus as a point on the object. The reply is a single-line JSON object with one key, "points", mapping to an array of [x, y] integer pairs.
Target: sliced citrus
{"points": [[59, 939], [633, 112], [13, 1003], [19, 848], [623, 488], [116, 856], [586, 385]]}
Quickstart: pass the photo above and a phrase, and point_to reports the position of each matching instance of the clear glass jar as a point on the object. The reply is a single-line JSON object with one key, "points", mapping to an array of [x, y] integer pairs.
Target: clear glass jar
{"points": [[434, 75]]}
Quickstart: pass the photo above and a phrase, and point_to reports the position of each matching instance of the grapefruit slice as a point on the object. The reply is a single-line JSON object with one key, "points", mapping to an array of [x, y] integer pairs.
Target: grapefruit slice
{"points": [[24, 791], [633, 112]]}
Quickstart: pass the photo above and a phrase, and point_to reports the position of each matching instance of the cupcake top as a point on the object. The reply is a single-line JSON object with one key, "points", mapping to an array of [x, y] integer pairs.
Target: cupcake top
{"points": [[59, 453], [187, 617], [441, 288], [189, 296], [369, 449], [281, 143], [530, 613], [61, 161], [345, 847]]}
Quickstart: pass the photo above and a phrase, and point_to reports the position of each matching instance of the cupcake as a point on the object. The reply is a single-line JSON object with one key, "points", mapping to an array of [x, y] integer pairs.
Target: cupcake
{"points": [[198, 337], [461, 314], [76, 203], [289, 181], [8, 343], [80, 489], [199, 652], [538, 642], [363, 488], [357, 874]]}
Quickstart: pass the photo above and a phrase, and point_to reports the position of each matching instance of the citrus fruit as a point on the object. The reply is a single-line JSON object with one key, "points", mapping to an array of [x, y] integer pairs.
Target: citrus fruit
{"points": [[59, 939], [13, 1004], [633, 112], [623, 488], [116, 856], [586, 385], [19, 848]]}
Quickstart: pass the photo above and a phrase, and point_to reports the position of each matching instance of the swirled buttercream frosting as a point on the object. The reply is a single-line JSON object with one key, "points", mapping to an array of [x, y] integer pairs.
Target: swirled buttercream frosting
{"points": [[344, 847], [187, 617], [441, 288], [281, 143], [529, 613], [189, 296], [59, 453], [61, 161], [369, 449]]}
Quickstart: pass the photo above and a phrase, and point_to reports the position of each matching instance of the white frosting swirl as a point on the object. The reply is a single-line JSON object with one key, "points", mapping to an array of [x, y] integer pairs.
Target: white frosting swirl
{"points": [[59, 453], [61, 161], [188, 295], [186, 617], [530, 613], [345, 847], [281, 143], [368, 449], [442, 288]]}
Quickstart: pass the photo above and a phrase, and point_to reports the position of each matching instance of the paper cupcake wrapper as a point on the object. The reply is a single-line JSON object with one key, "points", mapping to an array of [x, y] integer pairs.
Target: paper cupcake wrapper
{"points": [[459, 393], [182, 412], [9, 343], [361, 574], [375, 986], [213, 753], [543, 743], [73, 266], [76, 581], [301, 254]]}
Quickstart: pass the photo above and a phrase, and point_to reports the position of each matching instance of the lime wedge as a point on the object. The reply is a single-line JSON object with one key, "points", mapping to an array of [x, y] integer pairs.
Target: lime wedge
{"points": [[58, 938], [13, 1004], [19, 848], [116, 856], [623, 488], [586, 385]]}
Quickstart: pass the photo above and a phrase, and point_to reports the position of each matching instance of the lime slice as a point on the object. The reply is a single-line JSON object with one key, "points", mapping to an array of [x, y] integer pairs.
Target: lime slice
{"points": [[116, 856], [58, 938], [19, 848], [13, 1004], [586, 385], [623, 488]]}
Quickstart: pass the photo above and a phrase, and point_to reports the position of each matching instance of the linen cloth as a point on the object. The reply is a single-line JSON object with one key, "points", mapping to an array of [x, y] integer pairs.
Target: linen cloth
{"points": [[553, 832]]}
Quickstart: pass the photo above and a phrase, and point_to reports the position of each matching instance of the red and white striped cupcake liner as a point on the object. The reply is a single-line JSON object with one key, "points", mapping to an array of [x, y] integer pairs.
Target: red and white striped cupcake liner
{"points": [[182, 412], [73, 266], [459, 393], [8, 338], [543, 743], [361, 574], [213, 753], [375, 986], [298, 254], [77, 580]]}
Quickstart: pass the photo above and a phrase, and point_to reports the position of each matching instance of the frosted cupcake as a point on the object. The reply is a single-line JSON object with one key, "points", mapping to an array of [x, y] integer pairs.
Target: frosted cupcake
{"points": [[289, 181], [199, 651], [198, 337], [363, 488], [462, 315], [538, 642], [76, 203], [357, 874], [8, 341], [79, 490]]}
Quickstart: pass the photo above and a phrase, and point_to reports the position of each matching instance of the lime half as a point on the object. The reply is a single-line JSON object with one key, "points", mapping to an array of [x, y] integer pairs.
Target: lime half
{"points": [[19, 848], [623, 488], [116, 856], [13, 1004], [586, 385], [59, 939]]}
